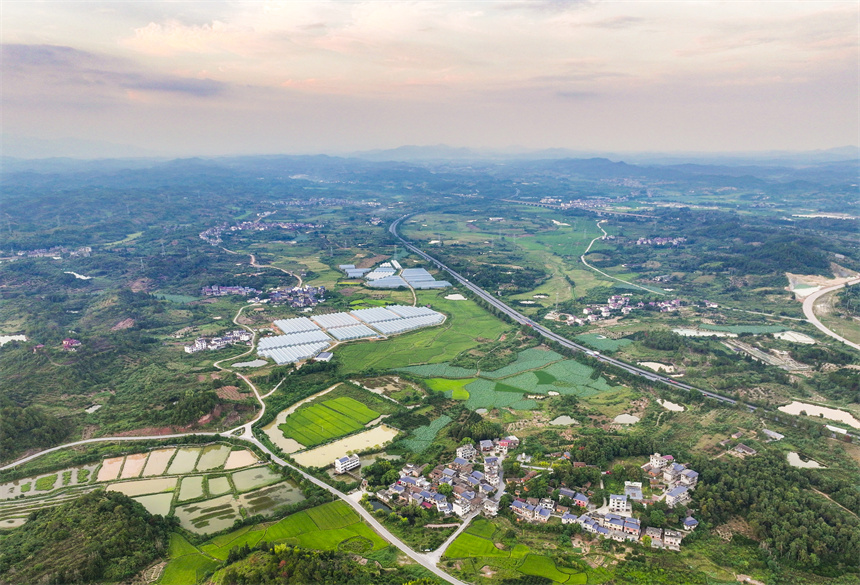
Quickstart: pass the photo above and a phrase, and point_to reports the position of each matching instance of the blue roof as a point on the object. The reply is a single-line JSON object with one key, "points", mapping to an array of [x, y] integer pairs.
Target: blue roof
{"points": [[690, 521], [449, 472], [678, 491], [567, 516], [460, 461], [543, 512], [567, 493]]}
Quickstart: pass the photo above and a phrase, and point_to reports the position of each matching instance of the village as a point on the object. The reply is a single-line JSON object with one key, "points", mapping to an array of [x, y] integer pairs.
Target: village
{"points": [[56, 252], [616, 305], [459, 488], [214, 343], [213, 235]]}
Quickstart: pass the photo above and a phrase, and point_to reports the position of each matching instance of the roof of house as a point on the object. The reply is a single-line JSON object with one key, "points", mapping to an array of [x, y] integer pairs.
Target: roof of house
{"points": [[567, 516], [690, 521], [460, 461], [677, 491], [544, 512], [617, 497], [690, 473], [566, 493]]}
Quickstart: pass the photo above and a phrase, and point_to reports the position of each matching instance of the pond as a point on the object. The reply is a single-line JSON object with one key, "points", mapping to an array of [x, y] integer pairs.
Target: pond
{"points": [[377, 505], [183, 461], [133, 465], [144, 486], [219, 485], [157, 462], [156, 503], [265, 500], [795, 460], [325, 455], [812, 410], [237, 459], [192, 488], [110, 469], [563, 420], [213, 456], [209, 516], [253, 478]]}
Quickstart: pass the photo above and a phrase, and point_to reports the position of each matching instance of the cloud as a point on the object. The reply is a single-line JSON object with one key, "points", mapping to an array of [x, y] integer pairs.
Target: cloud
{"points": [[54, 66]]}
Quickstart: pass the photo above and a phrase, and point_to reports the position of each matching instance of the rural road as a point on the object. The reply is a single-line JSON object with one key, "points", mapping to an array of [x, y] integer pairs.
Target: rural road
{"points": [[582, 259], [809, 306]]}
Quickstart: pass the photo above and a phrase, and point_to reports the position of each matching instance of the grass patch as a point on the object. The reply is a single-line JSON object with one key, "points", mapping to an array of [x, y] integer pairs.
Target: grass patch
{"points": [[541, 566], [482, 528], [26, 487], [188, 569], [43, 484], [179, 547], [603, 343], [83, 475], [457, 388], [333, 515]]}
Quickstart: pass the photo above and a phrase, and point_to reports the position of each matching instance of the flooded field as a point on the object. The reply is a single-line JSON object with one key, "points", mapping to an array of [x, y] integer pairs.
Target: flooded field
{"points": [[253, 478], [210, 515], [184, 461], [213, 456], [812, 410], [219, 485], [237, 459], [157, 463], [144, 486], [192, 488], [156, 503], [702, 333], [265, 500], [326, 454], [110, 469], [795, 461], [134, 464], [670, 405]]}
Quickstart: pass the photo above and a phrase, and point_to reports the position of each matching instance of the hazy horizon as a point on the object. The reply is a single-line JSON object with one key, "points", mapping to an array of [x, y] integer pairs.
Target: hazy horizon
{"points": [[232, 78]]}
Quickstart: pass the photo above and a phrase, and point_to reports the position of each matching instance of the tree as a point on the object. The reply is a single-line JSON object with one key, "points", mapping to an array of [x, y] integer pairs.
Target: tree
{"points": [[445, 489], [646, 541], [658, 518]]}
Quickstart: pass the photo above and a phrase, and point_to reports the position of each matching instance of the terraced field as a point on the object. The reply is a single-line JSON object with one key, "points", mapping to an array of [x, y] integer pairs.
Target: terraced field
{"points": [[327, 420]]}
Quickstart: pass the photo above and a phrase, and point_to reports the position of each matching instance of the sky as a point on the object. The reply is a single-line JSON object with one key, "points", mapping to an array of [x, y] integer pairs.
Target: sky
{"points": [[213, 78]]}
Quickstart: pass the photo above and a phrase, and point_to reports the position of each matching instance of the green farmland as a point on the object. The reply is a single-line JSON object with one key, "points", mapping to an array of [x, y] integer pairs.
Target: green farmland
{"points": [[327, 527], [326, 420], [477, 546]]}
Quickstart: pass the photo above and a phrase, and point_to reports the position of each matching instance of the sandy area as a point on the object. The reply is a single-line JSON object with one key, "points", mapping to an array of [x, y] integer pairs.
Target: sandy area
{"points": [[795, 337], [670, 405], [326, 454], [658, 367], [812, 410], [455, 297], [133, 465]]}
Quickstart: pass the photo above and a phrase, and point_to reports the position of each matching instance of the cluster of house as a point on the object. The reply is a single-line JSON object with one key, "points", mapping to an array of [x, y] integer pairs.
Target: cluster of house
{"points": [[223, 291], [676, 477], [213, 235], [299, 296], [70, 344], [471, 489], [323, 201], [621, 529], [660, 241], [541, 510], [57, 252], [212, 343]]}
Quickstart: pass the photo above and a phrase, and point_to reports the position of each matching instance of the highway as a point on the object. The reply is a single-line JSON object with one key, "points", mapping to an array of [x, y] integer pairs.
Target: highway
{"points": [[809, 312], [548, 334]]}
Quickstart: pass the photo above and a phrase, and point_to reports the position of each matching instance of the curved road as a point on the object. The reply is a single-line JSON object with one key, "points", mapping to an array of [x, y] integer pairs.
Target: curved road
{"points": [[582, 259], [809, 306]]}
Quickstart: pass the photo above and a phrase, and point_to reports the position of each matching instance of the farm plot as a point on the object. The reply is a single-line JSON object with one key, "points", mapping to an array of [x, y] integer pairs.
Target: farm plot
{"points": [[327, 420], [256, 477], [209, 516], [529, 359], [470, 545], [439, 371], [423, 436], [264, 500], [213, 456], [541, 566], [482, 394], [602, 343]]}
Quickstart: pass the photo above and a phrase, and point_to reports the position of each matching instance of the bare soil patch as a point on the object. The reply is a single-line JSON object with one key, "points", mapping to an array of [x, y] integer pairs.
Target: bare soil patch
{"points": [[231, 393], [124, 324], [141, 285], [370, 262]]}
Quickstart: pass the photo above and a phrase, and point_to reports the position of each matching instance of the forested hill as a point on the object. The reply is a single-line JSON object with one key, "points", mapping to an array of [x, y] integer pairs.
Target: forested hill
{"points": [[102, 536]]}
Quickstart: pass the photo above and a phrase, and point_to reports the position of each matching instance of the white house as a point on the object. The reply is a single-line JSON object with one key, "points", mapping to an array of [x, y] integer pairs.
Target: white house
{"points": [[618, 503], [344, 464]]}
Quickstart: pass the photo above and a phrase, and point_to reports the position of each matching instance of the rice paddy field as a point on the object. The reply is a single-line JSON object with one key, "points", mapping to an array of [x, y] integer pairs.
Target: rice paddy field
{"points": [[476, 550], [325, 527], [603, 343], [322, 421], [145, 477]]}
